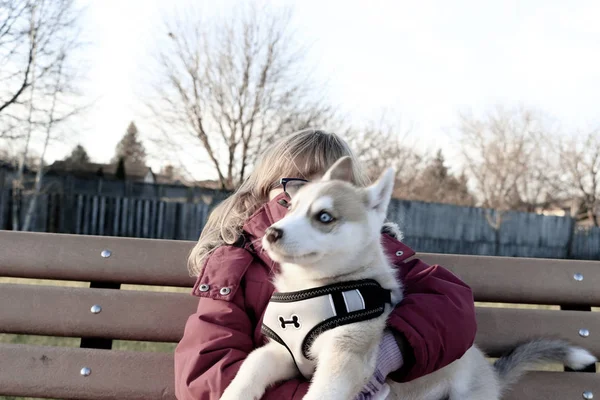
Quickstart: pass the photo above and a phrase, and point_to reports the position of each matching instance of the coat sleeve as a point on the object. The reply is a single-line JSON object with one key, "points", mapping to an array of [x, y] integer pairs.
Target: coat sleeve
{"points": [[216, 340], [221, 333], [435, 320]]}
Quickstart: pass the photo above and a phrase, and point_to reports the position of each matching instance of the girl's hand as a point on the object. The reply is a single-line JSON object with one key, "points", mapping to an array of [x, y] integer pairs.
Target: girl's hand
{"points": [[389, 359]]}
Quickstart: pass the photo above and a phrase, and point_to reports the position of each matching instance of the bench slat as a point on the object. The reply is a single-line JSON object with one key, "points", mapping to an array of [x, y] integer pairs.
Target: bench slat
{"points": [[499, 329], [162, 262], [554, 386], [77, 258], [157, 316], [53, 372], [524, 280], [126, 315]]}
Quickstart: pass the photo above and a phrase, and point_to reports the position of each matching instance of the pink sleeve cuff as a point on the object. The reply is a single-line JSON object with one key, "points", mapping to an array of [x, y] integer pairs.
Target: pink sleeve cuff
{"points": [[389, 358]]}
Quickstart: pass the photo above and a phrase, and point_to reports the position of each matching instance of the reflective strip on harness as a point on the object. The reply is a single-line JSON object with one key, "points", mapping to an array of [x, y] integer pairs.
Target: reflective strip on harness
{"points": [[296, 319]]}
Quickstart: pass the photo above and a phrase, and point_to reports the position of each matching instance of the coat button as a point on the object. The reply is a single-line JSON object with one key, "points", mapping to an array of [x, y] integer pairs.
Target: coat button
{"points": [[225, 291], [399, 253], [204, 287]]}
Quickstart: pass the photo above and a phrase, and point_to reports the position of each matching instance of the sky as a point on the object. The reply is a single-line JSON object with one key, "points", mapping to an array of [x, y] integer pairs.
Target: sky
{"points": [[422, 62]]}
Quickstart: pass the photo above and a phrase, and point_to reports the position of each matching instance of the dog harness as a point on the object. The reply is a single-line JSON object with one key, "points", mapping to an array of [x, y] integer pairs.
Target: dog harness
{"points": [[296, 319]]}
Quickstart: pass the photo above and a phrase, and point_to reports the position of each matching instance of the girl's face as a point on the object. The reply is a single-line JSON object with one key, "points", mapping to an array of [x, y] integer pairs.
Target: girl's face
{"points": [[275, 192]]}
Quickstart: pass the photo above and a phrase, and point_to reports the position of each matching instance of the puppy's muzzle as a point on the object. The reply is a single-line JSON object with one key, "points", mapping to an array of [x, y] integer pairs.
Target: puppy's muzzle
{"points": [[273, 234]]}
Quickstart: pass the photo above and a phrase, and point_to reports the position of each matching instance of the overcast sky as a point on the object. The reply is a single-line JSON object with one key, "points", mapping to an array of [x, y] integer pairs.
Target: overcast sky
{"points": [[422, 61]]}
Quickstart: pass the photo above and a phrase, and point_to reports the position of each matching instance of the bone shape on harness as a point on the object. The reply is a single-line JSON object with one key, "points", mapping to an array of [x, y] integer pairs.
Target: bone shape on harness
{"points": [[294, 321]]}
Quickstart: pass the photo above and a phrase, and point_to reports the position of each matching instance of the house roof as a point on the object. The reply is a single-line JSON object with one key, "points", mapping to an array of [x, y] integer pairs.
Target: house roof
{"points": [[11, 166], [6, 165], [132, 171]]}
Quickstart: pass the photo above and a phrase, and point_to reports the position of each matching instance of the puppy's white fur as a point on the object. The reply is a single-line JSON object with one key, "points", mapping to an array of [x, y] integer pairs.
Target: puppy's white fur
{"points": [[314, 254]]}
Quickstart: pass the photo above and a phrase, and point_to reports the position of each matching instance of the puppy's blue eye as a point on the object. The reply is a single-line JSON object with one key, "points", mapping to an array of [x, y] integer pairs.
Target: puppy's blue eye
{"points": [[325, 217]]}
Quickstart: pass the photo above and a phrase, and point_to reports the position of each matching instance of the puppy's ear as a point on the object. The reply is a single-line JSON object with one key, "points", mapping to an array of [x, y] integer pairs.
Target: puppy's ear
{"points": [[341, 170], [379, 194]]}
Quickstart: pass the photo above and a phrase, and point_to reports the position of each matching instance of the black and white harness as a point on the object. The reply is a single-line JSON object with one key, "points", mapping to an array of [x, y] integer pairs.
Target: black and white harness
{"points": [[296, 319]]}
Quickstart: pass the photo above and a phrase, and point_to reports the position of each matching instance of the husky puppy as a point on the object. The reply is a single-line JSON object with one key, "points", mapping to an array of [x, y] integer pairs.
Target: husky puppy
{"points": [[334, 292]]}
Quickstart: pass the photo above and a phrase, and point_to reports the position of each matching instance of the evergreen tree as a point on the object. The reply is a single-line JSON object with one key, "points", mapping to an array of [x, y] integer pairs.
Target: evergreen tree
{"points": [[436, 184], [130, 148], [437, 170], [78, 156]]}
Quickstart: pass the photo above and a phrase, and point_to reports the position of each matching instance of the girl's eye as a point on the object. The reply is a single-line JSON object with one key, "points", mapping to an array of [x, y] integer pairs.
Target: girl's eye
{"points": [[325, 217]]}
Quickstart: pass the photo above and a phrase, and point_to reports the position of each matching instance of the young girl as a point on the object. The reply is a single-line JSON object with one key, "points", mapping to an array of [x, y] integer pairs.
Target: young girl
{"points": [[433, 326]]}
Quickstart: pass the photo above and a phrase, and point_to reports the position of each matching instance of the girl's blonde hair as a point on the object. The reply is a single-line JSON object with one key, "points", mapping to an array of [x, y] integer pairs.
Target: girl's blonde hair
{"points": [[300, 155]]}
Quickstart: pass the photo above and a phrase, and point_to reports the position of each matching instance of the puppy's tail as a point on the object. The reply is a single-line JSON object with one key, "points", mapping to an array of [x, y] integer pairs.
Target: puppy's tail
{"points": [[512, 366]]}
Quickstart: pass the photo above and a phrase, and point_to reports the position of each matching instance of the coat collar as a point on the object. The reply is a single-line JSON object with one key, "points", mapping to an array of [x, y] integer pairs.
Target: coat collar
{"points": [[263, 218]]}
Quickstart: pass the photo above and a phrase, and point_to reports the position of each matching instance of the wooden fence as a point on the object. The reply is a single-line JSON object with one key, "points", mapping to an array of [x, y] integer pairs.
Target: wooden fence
{"points": [[112, 216], [428, 227]]}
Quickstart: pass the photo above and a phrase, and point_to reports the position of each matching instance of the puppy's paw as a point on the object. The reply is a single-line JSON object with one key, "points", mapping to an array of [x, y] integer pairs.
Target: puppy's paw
{"points": [[240, 393], [322, 396], [238, 396]]}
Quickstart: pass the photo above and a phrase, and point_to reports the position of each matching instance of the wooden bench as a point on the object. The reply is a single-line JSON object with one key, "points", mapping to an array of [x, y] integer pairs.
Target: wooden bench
{"points": [[100, 313]]}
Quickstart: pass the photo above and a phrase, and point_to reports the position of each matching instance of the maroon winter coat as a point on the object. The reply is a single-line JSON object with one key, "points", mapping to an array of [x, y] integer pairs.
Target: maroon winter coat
{"points": [[436, 317]]}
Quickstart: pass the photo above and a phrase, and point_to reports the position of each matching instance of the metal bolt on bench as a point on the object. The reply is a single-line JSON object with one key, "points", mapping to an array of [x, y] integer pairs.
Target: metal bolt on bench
{"points": [[584, 332], [95, 309], [94, 342]]}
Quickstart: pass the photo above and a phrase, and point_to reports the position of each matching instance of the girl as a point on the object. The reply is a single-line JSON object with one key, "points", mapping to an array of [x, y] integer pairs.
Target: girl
{"points": [[433, 326]]}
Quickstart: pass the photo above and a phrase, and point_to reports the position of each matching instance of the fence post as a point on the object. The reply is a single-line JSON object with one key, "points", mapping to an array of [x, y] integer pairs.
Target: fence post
{"points": [[2, 197], [67, 207], [572, 227]]}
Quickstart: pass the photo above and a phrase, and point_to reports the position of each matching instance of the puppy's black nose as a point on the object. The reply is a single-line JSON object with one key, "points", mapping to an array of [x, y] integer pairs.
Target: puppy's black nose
{"points": [[273, 234]]}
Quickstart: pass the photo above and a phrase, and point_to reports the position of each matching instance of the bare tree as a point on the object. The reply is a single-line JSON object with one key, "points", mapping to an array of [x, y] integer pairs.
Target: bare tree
{"points": [[580, 173], [50, 125], [37, 85], [14, 79], [382, 144], [228, 87], [13, 156], [505, 155], [33, 34]]}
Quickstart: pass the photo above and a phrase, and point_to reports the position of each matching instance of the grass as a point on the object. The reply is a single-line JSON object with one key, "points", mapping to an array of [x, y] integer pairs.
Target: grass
{"points": [[516, 305], [77, 284], [53, 341]]}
